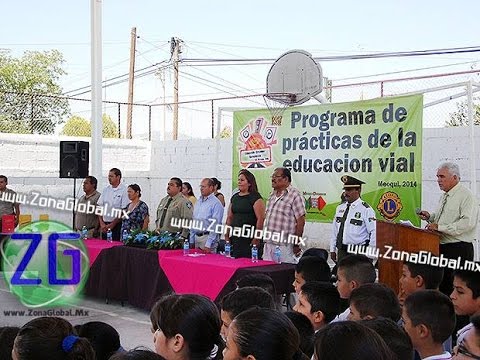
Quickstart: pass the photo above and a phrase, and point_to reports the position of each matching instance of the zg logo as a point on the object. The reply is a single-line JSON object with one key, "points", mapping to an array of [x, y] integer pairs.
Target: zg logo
{"points": [[45, 264]]}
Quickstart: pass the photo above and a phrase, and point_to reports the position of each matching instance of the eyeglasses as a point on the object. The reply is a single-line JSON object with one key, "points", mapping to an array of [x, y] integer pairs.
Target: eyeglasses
{"points": [[461, 349], [276, 176]]}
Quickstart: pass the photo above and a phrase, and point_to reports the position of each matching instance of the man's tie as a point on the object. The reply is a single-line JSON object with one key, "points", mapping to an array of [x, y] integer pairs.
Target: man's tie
{"points": [[444, 202], [162, 219], [342, 226]]}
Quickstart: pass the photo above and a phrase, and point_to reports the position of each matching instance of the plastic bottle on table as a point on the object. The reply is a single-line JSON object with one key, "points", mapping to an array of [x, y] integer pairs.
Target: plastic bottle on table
{"points": [[186, 247], [254, 253], [84, 233], [278, 255], [109, 235], [124, 235], [228, 249]]}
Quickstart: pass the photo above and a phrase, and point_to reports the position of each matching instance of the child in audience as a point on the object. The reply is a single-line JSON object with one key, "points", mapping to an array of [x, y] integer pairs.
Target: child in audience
{"points": [[466, 296], [394, 336], [319, 302], [370, 301], [262, 334], [311, 268], [429, 319], [469, 347], [305, 330], [353, 271], [418, 277], [7, 337], [240, 300], [50, 338], [104, 339], [263, 281], [137, 354], [188, 327], [349, 340]]}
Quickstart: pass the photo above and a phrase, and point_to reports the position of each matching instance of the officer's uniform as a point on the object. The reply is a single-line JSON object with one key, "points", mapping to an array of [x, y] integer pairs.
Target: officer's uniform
{"points": [[359, 226], [178, 208]]}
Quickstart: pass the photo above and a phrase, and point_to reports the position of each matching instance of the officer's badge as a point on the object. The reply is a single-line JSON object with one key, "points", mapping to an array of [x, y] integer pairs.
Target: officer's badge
{"points": [[390, 205], [358, 215]]}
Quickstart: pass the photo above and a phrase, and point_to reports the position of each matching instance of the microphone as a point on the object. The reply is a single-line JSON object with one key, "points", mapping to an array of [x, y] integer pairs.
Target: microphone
{"points": [[418, 211]]}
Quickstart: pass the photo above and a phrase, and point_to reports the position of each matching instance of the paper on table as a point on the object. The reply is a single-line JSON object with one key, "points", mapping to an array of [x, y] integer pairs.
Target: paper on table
{"points": [[196, 254], [408, 223]]}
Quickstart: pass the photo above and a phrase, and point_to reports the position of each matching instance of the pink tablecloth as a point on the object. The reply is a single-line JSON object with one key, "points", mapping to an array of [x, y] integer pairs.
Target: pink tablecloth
{"points": [[205, 274], [95, 246]]}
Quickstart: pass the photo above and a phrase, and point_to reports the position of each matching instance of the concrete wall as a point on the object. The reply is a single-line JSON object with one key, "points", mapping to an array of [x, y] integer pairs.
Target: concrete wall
{"points": [[32, 162]]}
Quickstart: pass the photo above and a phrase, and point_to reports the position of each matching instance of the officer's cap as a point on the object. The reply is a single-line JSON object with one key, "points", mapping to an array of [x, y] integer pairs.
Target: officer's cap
{"points": [[350, 182]]}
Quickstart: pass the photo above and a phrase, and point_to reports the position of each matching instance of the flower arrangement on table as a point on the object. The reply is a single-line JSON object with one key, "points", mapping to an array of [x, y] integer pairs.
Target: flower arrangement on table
{"points": [[154, 240]]}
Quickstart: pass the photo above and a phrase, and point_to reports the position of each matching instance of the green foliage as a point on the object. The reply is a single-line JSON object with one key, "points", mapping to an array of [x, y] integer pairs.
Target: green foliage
{"points": [[460, 117], [226, 133], [78, 126], [29, 84], [153, 240]]}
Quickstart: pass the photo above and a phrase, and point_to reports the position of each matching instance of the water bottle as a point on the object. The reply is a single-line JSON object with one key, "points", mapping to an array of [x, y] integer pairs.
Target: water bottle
{"points": [[254, 253], [227, 249], [278, 255], [84, 232], [109, 235], [124, 235], [186, 247]]}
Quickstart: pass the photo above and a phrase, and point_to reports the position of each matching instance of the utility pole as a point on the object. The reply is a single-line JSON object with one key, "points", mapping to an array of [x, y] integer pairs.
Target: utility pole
{"points": [[175, 52], [162, 79], [133, 45]]}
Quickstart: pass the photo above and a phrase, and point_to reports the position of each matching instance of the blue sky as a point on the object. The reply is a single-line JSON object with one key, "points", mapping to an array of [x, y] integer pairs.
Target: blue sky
{"points": [[247, 29]]}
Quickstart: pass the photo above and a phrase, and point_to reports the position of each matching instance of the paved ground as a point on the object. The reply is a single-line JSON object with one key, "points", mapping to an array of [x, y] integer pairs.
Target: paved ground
{"points": [[132, 324]]}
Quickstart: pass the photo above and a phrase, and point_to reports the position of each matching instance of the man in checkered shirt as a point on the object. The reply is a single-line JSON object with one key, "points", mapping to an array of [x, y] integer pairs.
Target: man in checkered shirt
{"points": [[285, 216]]}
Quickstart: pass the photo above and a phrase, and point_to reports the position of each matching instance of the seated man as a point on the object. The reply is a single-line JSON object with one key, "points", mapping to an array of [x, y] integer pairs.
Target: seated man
{"points": [[319, 302], [429, 320], [240, 300], [370, 301]]}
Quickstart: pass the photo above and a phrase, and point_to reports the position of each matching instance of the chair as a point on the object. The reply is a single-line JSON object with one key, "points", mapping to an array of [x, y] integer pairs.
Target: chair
{"points": [[24, 219], [43, 217]]}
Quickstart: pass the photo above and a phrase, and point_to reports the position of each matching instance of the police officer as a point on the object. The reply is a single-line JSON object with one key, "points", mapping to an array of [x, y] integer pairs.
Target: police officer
{"points": [[354, 221], [173, 208]]}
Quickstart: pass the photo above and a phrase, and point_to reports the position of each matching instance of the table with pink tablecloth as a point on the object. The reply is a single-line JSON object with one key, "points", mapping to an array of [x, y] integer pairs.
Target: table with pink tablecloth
{"points": [[141, 276]]}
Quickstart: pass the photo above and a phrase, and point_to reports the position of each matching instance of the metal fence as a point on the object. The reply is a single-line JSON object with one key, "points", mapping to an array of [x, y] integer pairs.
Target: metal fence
{"points": [[445, 100]]}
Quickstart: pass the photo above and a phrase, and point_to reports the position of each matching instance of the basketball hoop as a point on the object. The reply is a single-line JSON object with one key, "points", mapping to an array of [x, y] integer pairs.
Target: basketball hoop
{"points": [[277, 103]]}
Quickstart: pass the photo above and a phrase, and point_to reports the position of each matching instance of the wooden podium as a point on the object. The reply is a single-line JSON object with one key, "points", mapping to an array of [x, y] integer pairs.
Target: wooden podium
{"points": [[401, 238]]}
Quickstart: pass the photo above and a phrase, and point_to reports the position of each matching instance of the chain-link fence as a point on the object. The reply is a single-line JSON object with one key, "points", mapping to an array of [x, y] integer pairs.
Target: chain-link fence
{"points": [[445, 104]]}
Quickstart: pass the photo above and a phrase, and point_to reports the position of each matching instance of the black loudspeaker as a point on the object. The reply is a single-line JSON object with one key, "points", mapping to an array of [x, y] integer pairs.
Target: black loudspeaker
{"points": [[73, 159]]}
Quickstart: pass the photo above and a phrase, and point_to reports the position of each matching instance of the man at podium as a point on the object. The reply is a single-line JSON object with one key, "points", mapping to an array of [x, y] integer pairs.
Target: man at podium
{"points": [[354, 221], [456, 219]]}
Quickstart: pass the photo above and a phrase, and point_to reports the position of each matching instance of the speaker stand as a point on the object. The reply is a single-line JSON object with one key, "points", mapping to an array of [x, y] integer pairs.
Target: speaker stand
{"points": [[73, 211]]}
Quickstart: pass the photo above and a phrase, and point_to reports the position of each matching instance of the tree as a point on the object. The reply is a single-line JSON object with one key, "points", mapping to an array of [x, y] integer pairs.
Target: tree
{"points": [[225, 133], [78, 126], [460, 117], [29, 101]]}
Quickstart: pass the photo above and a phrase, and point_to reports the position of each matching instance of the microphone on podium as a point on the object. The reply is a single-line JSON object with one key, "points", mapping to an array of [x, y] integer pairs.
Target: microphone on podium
{"points": [[418, 211]]}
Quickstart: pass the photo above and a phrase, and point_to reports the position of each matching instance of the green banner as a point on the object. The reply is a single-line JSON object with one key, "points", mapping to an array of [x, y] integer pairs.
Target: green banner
{"points": [[378, 141]]}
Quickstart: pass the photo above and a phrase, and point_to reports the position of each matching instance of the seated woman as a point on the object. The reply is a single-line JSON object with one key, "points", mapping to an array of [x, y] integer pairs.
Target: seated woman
{"points": [[186, 327], [137, 211], [50, 338], [262, 334], [187, 192]]}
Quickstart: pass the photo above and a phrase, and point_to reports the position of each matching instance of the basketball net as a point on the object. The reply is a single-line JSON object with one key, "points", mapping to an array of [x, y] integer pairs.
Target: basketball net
{"points": [[277, 104]]}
